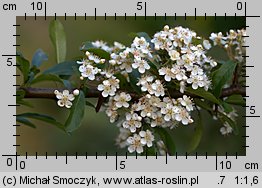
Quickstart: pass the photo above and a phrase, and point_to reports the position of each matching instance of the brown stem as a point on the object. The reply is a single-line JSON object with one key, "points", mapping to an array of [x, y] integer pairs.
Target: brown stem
{"points": [[48, 93]]}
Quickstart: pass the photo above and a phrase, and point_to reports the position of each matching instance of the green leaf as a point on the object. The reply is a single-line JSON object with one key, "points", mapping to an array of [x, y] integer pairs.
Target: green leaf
{"points": [[222, 76], [64, 68], [236, 99], [196, 138], [123, 81], [88, 46], [167, 139], [149, 151], [25, 121], [203, 93], [42, 117], [90, 104], [25, 103], [47, 77], [202, 104], [134, 76], [39, 57], [24, 66], [227, 107], [58, 38], [77, 112], [67, 84]]}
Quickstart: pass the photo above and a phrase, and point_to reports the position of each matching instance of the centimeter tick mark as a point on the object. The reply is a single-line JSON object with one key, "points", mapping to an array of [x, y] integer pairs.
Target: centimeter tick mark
{"points": [[95, 13], [145, 10], [45, 10], [216, 160], [116, 160]]}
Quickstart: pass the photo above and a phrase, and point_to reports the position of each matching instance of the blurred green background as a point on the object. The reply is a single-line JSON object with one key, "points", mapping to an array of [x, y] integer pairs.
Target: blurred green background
{"points": [[96, 133]]}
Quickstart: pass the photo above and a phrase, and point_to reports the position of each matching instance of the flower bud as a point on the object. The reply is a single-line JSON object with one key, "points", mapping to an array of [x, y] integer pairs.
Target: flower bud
{"points": [[87, 53], [76, 92]]}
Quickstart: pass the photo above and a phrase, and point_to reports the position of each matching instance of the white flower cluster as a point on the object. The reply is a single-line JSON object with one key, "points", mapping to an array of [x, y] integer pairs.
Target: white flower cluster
{"points": [[87, 69], [65, 98], [232, 39], [187, 61], [175, 56]]}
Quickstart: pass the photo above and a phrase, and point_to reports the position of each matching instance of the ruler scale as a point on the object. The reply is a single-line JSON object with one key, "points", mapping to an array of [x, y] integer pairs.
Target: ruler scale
{"points": [[201, 169]]}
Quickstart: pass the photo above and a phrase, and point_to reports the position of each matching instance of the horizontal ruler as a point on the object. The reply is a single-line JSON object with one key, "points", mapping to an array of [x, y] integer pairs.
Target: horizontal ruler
{"points": [[129, 163]]}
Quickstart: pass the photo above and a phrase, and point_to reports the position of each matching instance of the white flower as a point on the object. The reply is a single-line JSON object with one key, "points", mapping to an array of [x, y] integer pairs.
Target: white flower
{"points": [[174, 55], [141, 64], [141, 44], [196, 70], [145, 83], [188, 60], [196, 81], [226, 129], [88, 71], [64, 98], [206, 44], [186, 102], [112, 114], [147, 110], [127, 66], [167, 72], [179, 73], [144, 80], [109, 87], [135, 144], [158, 89], [133, 121], [118, 46], [122, 99], [169, 111], [183, 116], [158, 119], [147, 138], [218, 38]]}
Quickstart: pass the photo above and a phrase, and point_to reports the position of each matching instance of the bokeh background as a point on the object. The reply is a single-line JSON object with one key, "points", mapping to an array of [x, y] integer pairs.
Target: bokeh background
{"points": [[96, 133]]}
